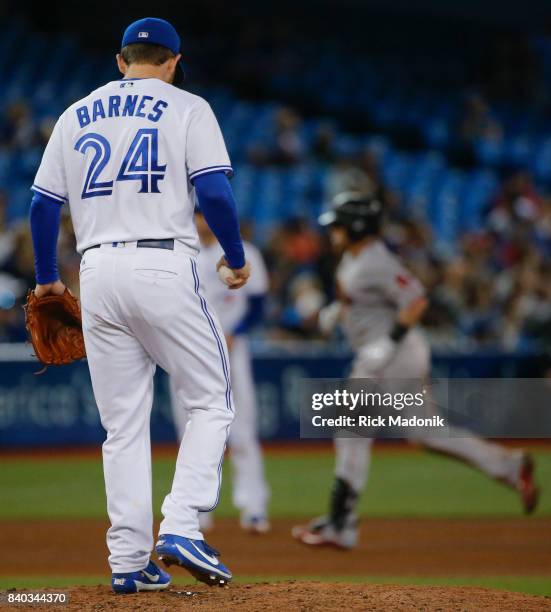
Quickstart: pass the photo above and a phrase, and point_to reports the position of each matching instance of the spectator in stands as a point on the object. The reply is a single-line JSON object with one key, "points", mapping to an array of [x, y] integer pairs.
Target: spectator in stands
{"points": [[18, 130], [292, 256], [7, 238], [518, 201], [448, 292], [369, 163], [527, 311], [12, 325], [514, 218], [21, 264], [478, 316], [442, 331], [13, 283], [494, 289], [537, 312], [541, 237], [478, 122], [286, 146], [323, 146], [45, 130]]}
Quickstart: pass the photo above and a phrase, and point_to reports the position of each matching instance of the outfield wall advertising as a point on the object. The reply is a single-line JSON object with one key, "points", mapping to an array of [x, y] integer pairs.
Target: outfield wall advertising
{"points": [[57, 407]]}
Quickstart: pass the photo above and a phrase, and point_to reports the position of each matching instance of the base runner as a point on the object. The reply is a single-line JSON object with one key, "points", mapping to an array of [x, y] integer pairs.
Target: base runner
{"points": [[380, 304]]}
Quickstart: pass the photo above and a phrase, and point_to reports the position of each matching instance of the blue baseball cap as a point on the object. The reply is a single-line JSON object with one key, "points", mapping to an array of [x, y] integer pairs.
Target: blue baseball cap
{"points": [[155, 32]]}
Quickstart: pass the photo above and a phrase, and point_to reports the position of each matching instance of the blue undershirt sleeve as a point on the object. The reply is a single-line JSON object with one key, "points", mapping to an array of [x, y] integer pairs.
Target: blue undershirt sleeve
{"points": [[45, 218], [253, 316], [215, 197]]}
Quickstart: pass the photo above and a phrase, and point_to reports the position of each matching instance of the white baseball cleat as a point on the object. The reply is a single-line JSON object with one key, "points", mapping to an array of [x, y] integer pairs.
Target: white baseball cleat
{"points": [[256, 524], [321, 532]]}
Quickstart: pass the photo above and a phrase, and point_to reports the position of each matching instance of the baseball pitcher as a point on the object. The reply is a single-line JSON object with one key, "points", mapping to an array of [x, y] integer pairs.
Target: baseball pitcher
{"points": [[238, 312], [132, 159], [379, 305]]}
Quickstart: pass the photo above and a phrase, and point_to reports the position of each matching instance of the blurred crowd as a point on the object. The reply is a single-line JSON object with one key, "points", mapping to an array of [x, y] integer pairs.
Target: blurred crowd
{"points": [[493, 291], [17, 269], [19, 130]]}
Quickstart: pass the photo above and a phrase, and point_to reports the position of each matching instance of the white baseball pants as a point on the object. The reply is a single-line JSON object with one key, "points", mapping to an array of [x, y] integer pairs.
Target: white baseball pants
{"points": [[412, 361], [142, 307], [250, 490]]}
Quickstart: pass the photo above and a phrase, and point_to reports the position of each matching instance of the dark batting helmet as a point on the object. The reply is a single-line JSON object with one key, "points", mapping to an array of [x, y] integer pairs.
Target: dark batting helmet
{"points": [[361, 215]]}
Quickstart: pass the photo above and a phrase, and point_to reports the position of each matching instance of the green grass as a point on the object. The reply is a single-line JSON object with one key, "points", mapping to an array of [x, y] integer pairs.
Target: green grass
{"points": [[412, 484], [525, 584], [400, 484]]}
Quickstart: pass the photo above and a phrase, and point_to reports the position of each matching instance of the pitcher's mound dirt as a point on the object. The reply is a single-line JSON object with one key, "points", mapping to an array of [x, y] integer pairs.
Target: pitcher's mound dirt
{"points": [[305, 596]]}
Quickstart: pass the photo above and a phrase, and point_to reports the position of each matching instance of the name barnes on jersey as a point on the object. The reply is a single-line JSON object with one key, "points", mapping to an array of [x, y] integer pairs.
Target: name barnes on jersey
{"points": [[121, 106]]}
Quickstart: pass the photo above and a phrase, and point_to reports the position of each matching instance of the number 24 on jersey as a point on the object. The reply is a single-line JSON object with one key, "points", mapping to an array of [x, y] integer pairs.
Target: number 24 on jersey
{"points": [[139, 164]]}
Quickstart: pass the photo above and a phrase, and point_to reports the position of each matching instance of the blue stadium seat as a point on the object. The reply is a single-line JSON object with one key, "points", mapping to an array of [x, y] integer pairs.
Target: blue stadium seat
{"points": [[453, 201], [489, 151]]}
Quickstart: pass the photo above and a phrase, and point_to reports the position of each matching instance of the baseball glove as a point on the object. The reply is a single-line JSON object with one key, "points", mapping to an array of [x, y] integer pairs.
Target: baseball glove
{"points": [[54, 323]]}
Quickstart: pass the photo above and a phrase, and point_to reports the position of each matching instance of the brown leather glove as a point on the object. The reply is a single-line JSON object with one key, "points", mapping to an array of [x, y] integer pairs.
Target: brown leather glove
{"points": [[54, 323]]}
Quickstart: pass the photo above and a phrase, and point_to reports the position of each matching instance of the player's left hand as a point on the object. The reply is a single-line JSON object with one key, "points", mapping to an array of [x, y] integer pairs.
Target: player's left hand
{"points": [[374, 356], [328, 318], [234, 278], [55, 288], [54, 323]]}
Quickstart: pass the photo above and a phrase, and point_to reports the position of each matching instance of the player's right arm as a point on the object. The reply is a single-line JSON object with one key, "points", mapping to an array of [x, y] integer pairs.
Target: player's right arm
{"points": [[209, 167]]}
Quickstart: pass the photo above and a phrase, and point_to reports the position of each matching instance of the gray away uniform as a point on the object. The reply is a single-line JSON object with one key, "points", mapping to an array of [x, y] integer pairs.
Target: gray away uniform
{"points": [[375, 286]]}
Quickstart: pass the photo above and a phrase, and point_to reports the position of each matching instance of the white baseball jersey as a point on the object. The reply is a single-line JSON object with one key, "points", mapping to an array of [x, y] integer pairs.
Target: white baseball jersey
{"points": [[117, 157], [231, 306], [375, 286]]}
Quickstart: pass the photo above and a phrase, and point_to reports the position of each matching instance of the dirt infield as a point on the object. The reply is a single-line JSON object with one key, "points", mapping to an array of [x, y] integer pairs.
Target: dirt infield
{"points": [[307, 596], [392, 547], [399, 547]]}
